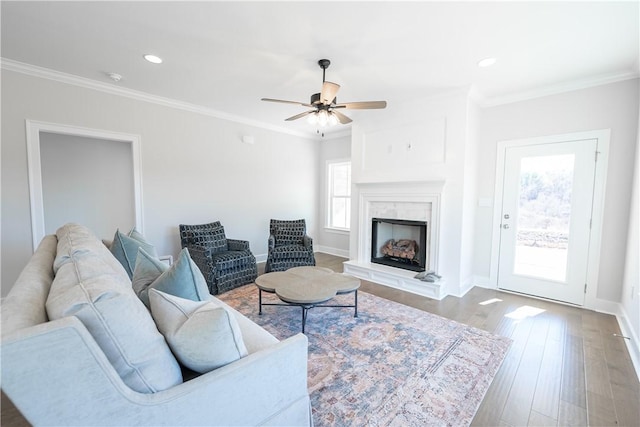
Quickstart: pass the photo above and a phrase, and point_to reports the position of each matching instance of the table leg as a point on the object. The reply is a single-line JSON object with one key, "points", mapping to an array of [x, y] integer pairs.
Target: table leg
{"points": [[356, 304], [260, 301], [304, 317]]}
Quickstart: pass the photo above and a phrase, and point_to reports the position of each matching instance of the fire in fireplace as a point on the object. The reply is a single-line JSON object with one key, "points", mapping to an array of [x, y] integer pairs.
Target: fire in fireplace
{"points": [[399, 243]]}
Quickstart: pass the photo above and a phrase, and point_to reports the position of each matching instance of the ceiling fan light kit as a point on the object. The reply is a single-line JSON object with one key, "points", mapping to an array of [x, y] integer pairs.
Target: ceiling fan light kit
{"points": [[324, 104]]}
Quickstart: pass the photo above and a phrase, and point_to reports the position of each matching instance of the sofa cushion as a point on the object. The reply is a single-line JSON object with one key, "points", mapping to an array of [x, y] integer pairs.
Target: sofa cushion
{"points": [[202, 335], [91, 284], [183, 279], [125, 249], [24, 306]]}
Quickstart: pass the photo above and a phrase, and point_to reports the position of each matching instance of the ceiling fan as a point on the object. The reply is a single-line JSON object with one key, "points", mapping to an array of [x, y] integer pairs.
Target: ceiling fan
{"points": [[324, 109]]}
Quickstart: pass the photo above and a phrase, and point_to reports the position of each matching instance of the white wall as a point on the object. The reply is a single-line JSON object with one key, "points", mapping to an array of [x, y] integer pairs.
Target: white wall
{"points": [[469, 202], [194, 167], [78, 176], [326, 240], [613, 106], [422, 140]]}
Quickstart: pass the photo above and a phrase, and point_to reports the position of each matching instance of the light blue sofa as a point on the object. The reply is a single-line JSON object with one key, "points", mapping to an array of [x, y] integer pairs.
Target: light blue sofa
{"points": [[56, 373]]}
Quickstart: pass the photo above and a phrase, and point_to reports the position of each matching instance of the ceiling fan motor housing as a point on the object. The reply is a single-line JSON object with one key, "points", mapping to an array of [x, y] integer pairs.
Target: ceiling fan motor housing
{"points": [[315, 101]]}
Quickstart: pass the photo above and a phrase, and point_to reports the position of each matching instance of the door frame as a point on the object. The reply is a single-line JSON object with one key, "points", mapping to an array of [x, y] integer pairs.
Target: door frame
{"points": [[593, 262], [34, 165]]}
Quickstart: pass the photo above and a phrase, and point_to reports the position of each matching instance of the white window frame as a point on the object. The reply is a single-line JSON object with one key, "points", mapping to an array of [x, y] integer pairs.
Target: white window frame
{"points": [[330, 196]]}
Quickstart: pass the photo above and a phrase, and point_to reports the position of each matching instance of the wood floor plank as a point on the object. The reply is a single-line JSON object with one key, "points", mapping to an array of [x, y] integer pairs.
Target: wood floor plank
{"points": [[539, 420], [571, 415], [546, 400], [573, 388], [627, 404], [597, 375], [517, 408], [601, 410]]}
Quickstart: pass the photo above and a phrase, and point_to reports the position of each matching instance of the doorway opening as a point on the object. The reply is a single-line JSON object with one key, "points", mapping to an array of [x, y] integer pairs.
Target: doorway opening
{"points": [[74, 180]]}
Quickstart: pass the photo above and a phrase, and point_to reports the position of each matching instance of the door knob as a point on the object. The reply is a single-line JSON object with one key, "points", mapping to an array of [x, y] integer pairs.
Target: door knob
{"points": [[505, 226], [506, 216]]}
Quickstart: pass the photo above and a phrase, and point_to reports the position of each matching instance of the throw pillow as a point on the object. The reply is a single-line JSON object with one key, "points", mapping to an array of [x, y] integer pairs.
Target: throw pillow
{"points": [[135, 234], [125, 249], [183, 279], [202, 335], [148, 269]]}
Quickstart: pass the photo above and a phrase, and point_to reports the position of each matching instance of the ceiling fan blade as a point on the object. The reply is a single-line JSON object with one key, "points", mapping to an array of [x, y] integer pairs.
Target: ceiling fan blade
{"points": [[366, 105], [329, 91], [341, 117], [286, 102], [298, 116]]}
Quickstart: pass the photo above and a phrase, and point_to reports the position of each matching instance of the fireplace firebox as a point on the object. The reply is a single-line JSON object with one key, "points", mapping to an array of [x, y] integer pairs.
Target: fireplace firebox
{"points": [[399, 243]]}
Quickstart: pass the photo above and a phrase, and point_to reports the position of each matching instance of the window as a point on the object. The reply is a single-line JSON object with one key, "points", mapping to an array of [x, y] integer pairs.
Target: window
{"points": [[339, 194]]}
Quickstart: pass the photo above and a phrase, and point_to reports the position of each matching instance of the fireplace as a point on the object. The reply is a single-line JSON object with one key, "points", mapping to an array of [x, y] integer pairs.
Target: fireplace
{"points": [[416, 202], [399, 243]]}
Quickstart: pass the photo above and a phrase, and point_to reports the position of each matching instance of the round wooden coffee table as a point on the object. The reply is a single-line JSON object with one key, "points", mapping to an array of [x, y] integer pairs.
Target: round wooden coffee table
{"points": [[307, 287]]}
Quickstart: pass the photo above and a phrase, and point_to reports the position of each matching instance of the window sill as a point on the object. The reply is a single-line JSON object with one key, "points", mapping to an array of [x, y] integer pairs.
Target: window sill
{"points": [[342, 231]]}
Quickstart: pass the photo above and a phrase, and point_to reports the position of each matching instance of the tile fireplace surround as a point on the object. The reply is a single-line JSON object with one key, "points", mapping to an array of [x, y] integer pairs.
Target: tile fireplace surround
{"points": [[417, 201]]}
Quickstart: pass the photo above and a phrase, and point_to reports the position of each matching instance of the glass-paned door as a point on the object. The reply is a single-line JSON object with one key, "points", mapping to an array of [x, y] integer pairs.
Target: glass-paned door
{"points": [[546, 213]]}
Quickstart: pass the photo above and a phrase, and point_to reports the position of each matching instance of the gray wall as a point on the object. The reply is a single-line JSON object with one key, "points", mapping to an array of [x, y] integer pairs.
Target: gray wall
{"points": [[631, 287], [79, 176], [613, 106], [195, 168]]}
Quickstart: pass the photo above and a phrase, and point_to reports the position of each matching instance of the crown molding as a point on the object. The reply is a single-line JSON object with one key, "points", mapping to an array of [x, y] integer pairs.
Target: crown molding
{"points": [[46, 73], [554, 89], [473, 94]]}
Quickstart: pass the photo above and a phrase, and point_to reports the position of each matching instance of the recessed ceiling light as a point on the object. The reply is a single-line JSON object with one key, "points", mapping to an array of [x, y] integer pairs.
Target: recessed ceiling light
{"points": [[487, 62], [153, 59]]}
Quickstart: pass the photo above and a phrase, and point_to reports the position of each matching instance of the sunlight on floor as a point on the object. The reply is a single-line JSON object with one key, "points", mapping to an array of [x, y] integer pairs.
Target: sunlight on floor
{"points": [[524, 312], [490, 301]]}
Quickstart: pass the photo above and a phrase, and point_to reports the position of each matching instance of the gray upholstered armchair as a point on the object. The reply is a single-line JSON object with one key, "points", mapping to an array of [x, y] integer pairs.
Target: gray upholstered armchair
{"points": [[289, 245], [225, 263]]}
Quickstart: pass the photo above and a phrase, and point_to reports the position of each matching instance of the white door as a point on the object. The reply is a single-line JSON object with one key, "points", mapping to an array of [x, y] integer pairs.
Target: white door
{"points": [[545, 228]]}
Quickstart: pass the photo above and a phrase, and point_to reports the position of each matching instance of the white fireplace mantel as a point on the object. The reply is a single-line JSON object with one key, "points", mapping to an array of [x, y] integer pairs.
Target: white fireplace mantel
{"points": [[416, 200]]}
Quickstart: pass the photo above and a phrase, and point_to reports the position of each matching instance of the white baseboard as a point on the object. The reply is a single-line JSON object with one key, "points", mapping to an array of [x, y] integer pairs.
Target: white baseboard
{"points": [[607, 307], [465, 287], [482, 282], [627, 330], [344, 253]]}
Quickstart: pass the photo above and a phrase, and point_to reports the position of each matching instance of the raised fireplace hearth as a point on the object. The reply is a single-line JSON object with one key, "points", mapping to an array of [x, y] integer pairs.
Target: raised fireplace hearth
{"points": [[399, 243]]}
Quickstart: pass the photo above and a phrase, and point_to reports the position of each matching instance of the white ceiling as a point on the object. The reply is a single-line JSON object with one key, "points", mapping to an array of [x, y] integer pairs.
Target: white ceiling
{"points": [[225, 56]]}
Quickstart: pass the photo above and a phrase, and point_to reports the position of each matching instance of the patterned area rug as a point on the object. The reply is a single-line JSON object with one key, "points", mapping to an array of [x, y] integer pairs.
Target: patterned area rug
{"points": [[393, 365]]}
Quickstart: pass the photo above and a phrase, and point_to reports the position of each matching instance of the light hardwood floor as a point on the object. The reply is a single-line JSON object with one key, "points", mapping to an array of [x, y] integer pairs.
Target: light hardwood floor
{"points": [[564, 368]]}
